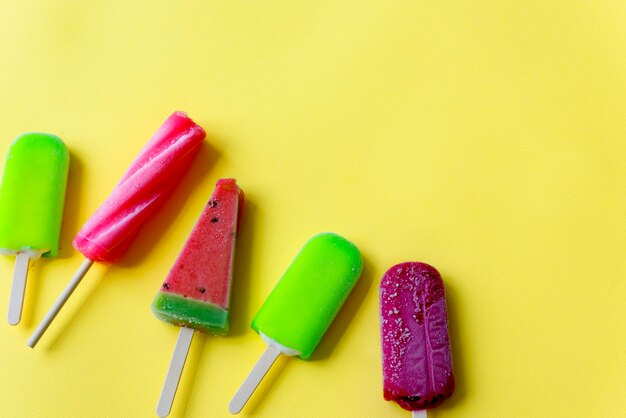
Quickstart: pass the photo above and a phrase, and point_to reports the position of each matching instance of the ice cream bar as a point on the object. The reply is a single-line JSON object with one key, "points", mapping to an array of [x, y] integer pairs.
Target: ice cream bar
{"points": [[303, 304], [417, 361], [146, 184], [196, 292], [32, 196]]}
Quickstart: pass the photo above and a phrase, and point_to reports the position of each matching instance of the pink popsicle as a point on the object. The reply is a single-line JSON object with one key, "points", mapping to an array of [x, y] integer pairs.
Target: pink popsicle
{"points": [[145, 185], [417, 361], [151, 178]]}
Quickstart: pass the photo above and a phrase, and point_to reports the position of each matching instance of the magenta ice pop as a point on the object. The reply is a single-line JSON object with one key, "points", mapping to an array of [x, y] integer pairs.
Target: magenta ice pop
{"points": [[147, 183], [417, 361], [196, 293]]}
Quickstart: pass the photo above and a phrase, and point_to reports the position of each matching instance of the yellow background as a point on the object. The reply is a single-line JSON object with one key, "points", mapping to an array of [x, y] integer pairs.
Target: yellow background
{"points": [[486, 138]]}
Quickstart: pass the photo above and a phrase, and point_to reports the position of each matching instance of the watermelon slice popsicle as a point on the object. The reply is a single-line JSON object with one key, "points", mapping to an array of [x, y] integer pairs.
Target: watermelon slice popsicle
{"points": [[196, 292], [32, 196], [148, 182], [417, 361], [299, 310]]}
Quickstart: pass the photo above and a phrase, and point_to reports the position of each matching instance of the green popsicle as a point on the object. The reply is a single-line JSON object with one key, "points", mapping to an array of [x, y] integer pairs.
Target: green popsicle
{"points": [[305, 301], [303, 304], [32, 196]]}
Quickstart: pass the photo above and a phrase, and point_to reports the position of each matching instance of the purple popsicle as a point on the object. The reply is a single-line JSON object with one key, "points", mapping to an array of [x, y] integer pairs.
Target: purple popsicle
{"points": [[417, 362]]}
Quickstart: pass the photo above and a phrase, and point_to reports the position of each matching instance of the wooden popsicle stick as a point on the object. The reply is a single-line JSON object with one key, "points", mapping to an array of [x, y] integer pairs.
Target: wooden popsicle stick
{"points": [[259, 371], [174, 371], [418, 413], [58, 304], [18, 288]]}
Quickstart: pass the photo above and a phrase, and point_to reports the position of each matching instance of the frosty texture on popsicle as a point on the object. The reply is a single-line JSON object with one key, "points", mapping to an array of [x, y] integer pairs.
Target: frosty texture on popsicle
{"points": [[145, 185], [32, 196], [417, 361], [303, 304], [196, 292], [151, 178]]}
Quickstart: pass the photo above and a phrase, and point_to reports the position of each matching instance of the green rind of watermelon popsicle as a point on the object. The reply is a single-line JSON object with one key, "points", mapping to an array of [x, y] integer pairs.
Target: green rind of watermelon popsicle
{"points": [[307, 298], [182, 311], [32, 194]]}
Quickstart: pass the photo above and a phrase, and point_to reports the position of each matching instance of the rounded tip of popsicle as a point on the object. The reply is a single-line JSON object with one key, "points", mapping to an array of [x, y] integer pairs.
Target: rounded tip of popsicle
{"points": [[41, 139], [45, 135], [415, 264]]}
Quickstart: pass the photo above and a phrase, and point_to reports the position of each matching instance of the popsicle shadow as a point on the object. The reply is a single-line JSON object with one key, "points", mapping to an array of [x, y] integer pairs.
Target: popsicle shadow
{"points": [[240, 296], [165, 216], [346, 314], [456, 345], [70, 223]]}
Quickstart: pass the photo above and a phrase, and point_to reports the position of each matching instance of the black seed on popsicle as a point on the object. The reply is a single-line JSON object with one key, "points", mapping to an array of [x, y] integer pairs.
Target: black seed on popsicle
{"points": [[212, 203], [201, 289], [166, 286], [214, 220]]}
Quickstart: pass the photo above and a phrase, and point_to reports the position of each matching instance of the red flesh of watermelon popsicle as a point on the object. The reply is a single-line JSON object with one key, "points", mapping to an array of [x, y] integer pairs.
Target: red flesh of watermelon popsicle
{"points": [[417, 361], [196, 292]]}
